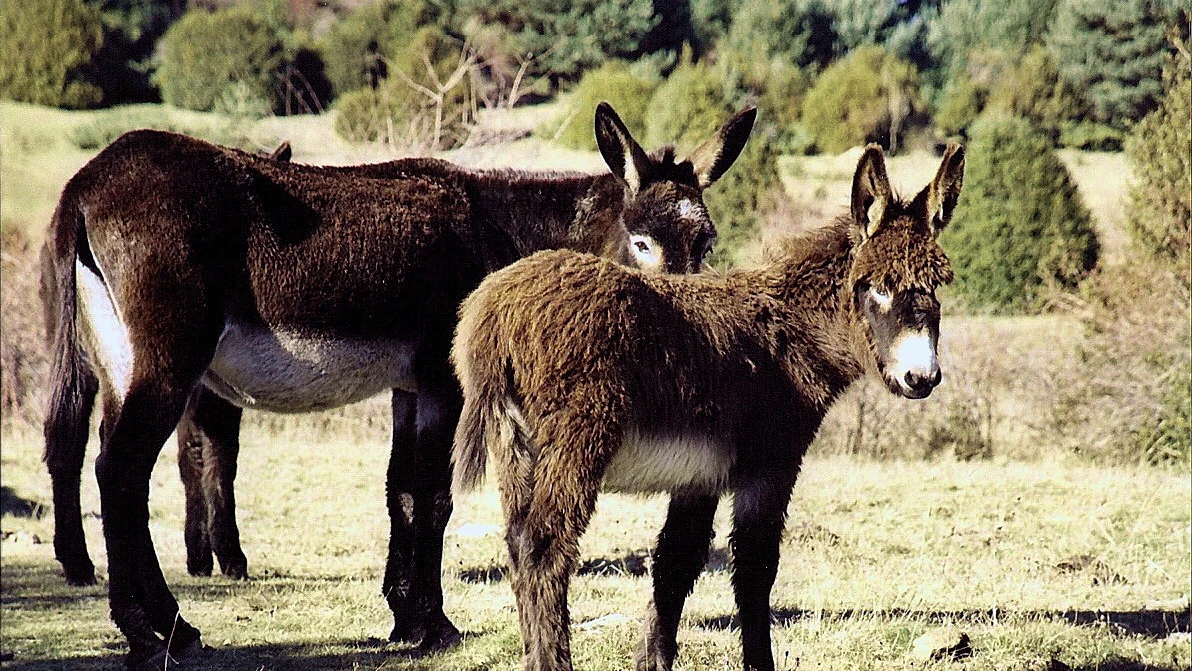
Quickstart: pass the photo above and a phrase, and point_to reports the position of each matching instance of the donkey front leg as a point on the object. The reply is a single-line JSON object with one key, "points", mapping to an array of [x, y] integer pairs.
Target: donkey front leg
{"points": [[397, 585], [208, 449], [759, 515], [678, 560], [426, 483]]}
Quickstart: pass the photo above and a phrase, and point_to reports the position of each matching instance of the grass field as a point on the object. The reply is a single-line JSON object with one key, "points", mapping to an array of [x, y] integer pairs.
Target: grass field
{"points": [[1043, 560], [1039, 561]]}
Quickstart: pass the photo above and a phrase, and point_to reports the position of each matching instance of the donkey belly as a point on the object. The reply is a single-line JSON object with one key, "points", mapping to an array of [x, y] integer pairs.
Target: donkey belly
{"points": [[285, 371], [681, 463]]}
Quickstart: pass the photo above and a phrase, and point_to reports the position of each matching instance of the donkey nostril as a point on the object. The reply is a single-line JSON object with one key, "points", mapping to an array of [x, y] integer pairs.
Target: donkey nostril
{"points": [[935, 379], [916, 380]]}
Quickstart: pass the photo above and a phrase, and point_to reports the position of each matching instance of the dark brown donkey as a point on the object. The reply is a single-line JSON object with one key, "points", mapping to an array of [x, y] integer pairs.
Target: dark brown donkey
{"points": [[579, 375], [290, 288]]}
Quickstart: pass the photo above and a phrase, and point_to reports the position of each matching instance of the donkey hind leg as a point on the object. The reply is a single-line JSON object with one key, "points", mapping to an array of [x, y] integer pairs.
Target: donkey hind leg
{"points": [[759, 515], [437, 412], [65, 450], [543, 527], [678, 560], [208, 446], [141, 603], [399, 485]]}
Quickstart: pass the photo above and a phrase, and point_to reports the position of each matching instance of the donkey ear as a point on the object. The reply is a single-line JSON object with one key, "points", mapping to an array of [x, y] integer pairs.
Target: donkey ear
{"points": [[937, 200], [871, 191], [624, 156], [714, 156]]}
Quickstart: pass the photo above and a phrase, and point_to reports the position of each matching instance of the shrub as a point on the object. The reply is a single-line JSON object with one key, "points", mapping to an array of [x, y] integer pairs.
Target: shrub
{"points": [[961, 102], [1160, 213], [24, 355], [614, 82], [204, 54], [413, 106], [1020, 224], [687, 108], [744, 196], [356, 49], [1033, 89], [48, 47], [1128, 400], [867, 96]]}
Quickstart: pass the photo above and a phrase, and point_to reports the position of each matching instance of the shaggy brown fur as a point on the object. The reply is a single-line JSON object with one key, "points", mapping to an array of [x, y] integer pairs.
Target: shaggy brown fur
{"points": [[189, 271], [579, 374]]}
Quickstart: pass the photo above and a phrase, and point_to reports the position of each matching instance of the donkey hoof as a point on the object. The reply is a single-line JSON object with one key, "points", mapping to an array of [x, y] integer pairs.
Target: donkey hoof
{"points": [[79, 575], [404, 632], [441, 637], [234, 565]]}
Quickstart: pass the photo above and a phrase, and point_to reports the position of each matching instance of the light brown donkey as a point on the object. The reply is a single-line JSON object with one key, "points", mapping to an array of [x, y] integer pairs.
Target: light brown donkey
{"points": [[580, 375]]}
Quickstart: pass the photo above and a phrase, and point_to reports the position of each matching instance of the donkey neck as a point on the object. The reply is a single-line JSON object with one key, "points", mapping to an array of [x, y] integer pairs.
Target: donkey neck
{"points": [[809, 278], [532, 212]]}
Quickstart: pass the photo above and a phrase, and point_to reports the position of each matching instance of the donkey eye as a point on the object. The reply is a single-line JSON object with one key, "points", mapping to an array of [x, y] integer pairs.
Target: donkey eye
{"points": [[641, 245]]}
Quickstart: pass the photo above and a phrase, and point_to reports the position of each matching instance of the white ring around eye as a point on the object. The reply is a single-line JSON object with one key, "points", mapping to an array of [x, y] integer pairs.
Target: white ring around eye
{"points": [[644, 252], [883, 300]]}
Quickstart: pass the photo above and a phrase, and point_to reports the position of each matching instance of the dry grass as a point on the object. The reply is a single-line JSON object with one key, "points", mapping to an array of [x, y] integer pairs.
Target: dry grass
{"points": [[1036, 561]]}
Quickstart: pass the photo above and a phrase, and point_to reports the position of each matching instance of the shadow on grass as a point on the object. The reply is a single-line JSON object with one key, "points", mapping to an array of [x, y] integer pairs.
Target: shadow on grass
{"points": [[333, 655], [633, 564], [1152, 623]]}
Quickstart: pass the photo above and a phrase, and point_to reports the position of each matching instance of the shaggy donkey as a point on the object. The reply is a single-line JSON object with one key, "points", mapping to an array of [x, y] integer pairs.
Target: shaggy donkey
{"points": [[189, 271], [580, 375]]}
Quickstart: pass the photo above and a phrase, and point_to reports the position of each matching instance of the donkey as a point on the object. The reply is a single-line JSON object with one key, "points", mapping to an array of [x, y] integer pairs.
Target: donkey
{"points": [[579, 375], [198, 280]]}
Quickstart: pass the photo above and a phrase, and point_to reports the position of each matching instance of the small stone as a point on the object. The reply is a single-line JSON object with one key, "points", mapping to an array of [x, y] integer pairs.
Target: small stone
{"points": [[946, 643], [24, 538], [602, 622]]}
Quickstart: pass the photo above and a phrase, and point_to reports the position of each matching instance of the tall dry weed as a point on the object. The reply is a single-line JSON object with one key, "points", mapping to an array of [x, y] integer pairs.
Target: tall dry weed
{"points": [[24, 347]]}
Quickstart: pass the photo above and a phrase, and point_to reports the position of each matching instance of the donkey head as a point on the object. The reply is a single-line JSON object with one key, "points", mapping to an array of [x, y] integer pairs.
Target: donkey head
{"points": [[664, 214], [897, 266]]}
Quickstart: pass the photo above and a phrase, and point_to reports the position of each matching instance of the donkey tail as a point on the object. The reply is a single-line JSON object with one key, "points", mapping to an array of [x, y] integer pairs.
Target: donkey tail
{"points": [[72, 382]]}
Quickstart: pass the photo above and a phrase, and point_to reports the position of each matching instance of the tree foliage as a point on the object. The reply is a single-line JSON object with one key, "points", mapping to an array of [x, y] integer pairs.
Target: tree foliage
{"points": [[866, 96], [1113, 53], [794, 31], [49, 46], [567, 38], [357, 50], [964, 32], [1020, 224], [1160, 211], [205, 53]]}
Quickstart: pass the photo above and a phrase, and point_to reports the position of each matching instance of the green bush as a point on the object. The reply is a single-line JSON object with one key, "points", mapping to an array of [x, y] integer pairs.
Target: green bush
{"points": [[1033, 89], [795, 31], [961, 103], [48, 48], [356, 50], [413, 106], [1160, 212], [744, 196], [615, 82], [206, 53], [687, 108], [1020, 224], [865, 97]]}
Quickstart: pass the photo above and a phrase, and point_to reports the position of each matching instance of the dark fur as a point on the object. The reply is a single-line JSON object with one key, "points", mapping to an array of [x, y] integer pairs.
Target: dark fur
{"points": [[565, 359], [187, 237]]}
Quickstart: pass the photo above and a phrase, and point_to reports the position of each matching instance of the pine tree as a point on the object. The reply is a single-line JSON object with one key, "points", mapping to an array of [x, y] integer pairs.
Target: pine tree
{"points": [[1113, 52], [1020, 224]]}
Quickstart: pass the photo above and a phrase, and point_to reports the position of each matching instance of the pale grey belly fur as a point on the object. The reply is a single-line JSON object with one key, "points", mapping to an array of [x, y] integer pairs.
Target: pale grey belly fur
{"points": [[282, 370]]}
